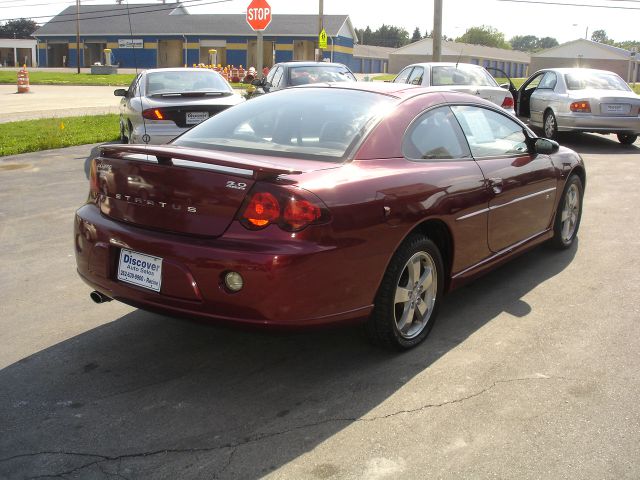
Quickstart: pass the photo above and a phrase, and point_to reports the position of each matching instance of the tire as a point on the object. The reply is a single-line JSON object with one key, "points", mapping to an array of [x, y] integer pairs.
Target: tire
{"points": [[123, 136], [550, 125], [626, 138], [402, 317], [567, 221]]}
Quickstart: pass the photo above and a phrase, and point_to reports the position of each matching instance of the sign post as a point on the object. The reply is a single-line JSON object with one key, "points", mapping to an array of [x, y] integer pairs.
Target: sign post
{"points": [[259, 18]]}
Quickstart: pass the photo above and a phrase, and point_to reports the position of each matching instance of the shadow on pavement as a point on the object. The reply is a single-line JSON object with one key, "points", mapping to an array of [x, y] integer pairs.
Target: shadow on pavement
{"points": [[590, 143], [148, 396]]}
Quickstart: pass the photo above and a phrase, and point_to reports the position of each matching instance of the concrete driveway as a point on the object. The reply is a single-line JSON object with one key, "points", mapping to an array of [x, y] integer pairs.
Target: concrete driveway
{"points": [[46, 101], [531, 372]]}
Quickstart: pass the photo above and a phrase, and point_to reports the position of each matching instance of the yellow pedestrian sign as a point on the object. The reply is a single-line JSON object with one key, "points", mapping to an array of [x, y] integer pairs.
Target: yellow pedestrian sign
{"points": [[322, 40]]}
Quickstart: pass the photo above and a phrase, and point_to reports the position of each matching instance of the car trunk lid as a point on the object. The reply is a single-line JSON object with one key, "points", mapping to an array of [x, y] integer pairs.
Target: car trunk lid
{"points": [[610, 103], [183, 190]]}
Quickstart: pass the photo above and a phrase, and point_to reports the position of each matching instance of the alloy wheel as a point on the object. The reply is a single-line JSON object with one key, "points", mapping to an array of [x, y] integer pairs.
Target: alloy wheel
{"points": [[570, 213]]}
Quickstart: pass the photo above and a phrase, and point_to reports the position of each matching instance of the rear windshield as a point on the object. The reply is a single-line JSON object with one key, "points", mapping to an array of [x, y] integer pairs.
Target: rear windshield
{"points": [[599, 80], [185, 81], [317, 123], [315, 74], [461, 75]]}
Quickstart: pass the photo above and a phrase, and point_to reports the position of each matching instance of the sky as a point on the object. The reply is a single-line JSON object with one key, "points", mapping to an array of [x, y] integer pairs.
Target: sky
{"points": [[561, 22]]}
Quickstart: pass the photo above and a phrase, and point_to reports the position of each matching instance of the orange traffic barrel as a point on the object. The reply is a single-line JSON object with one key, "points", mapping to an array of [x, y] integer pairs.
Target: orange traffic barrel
{"points": [[23, 80]]}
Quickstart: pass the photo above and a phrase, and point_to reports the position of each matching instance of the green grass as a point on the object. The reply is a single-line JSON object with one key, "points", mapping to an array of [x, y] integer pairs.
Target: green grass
{"points": [[383, 78], [45, 134], [65, 78]]}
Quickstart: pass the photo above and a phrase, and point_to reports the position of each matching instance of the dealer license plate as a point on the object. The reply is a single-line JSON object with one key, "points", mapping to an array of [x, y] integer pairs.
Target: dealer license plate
{"points": [[616, 108], [193, 118], [140, 269]]}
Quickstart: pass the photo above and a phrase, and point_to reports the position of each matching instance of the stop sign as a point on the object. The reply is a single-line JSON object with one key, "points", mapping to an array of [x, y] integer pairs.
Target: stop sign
{"points": [[259, 14]]}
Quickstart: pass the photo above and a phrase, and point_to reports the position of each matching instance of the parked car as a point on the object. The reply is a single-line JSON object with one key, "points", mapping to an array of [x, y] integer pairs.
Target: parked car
{"points": [[461, 77], [325, 204], [160, 104], [292, 74], [580, 100]]}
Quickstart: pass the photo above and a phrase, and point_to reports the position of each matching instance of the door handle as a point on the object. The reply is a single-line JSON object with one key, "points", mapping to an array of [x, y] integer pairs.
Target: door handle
{"points": [[496, 185]]}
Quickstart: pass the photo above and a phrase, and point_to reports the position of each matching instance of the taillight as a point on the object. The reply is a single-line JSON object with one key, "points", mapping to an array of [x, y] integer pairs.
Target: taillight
{"points": [[153, 114], [508, 101], [582, 107], [94, 186], [262, 210], [279, 206]]}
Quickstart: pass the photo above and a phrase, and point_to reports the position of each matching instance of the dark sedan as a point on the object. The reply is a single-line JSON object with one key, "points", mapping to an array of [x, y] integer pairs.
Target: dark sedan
{"points": [[326, 204], [293, 74]]}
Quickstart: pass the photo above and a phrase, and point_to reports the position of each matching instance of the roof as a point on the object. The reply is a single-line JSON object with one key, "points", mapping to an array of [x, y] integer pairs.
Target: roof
{"points": [[585, 48], [174, 19], [425, 47], [371, 51]]}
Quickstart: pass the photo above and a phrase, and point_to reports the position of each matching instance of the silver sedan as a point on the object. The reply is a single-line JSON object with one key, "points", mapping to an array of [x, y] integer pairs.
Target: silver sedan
{"points": [[161, 104], [579, 100], [461, 77]]}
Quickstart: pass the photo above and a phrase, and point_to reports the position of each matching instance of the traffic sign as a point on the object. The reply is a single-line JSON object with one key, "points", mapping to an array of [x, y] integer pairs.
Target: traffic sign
{"points": [[258, 14], [322, 40]]}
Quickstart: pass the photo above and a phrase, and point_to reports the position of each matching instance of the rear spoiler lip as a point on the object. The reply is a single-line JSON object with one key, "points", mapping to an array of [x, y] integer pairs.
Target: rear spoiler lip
{"points": [[165, 154]]}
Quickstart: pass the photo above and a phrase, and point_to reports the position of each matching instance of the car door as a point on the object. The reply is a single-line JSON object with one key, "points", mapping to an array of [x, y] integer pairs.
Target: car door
{"points": [[542, 97], [522, 183], [524, 94]]}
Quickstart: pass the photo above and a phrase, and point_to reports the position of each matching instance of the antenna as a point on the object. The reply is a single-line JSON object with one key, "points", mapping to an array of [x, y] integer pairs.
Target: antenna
{"points": [[459, 56]]}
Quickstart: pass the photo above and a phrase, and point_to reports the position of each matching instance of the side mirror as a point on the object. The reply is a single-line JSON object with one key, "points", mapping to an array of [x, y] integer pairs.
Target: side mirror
{"points": [[546, 146], [121, 92]]}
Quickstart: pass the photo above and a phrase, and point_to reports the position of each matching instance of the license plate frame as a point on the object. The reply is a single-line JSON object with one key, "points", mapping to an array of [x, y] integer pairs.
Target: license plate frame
{"points": [[616, 108], [140, 269], [194, 118]]}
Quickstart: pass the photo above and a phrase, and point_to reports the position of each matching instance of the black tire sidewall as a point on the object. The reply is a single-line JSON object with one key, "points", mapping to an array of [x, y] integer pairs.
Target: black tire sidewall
{"points": [[627, 138], [557, 227], [382, 319]]}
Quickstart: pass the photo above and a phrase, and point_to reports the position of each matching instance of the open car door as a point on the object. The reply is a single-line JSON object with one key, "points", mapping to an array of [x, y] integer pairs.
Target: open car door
{"points": [[509, 86]]}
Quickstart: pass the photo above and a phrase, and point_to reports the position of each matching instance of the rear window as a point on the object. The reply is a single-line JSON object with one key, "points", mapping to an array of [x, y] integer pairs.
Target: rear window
{"points": [[315, 74], [599, 80], [185, 81], [461, 75], [317, 123]]}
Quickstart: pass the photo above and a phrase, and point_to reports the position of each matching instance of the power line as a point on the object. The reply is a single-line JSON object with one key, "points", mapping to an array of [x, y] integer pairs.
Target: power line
{"points": [[83, 16], [612, 7]]}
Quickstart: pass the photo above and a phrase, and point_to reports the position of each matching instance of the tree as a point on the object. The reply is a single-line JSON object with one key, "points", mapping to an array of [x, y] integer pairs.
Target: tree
{"points": [[21, 28], [600, 36], [484, 35], [416, 35], [385, 36], [524, 43], [547, 42]]}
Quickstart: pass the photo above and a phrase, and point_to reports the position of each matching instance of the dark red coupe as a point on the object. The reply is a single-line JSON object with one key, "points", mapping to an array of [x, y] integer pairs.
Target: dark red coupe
{"points": [[325, 204]]}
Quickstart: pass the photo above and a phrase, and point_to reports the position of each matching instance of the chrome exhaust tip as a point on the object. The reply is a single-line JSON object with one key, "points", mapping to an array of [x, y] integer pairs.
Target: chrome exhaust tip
{"points": [[99, 297]]}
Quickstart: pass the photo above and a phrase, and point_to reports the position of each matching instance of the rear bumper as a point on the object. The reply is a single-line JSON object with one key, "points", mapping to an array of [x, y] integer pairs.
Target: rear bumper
{"points": [[602, 124], [285, 284], [159, 133]]}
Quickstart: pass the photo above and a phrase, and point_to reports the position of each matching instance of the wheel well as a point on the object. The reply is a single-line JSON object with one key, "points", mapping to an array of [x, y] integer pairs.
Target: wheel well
{"points": [[581, 174], [547, 110], [439, 233]]}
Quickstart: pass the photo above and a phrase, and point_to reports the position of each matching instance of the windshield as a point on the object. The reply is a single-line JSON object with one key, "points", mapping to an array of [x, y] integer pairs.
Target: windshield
{"points": [[461, 75], [316, 123], [315, 74], [599, 80], [185, 81]]}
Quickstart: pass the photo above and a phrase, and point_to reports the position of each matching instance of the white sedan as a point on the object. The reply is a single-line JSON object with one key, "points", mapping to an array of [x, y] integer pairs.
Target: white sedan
{"points": [[161, 104], [580, 100], [461, 77]]}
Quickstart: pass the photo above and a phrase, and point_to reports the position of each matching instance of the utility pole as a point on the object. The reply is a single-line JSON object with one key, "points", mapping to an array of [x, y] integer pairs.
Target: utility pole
{"points": [[437, 31], [320, 27], [78, 34]]}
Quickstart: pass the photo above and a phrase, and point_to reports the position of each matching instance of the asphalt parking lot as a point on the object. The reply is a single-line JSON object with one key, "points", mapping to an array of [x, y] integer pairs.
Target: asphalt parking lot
{"points": [[530, 372]]}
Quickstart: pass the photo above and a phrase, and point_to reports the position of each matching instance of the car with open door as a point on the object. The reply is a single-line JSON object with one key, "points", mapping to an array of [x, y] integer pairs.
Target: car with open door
{"points": [[461, 77], [325, 204], [579, 100], [162, 103]]}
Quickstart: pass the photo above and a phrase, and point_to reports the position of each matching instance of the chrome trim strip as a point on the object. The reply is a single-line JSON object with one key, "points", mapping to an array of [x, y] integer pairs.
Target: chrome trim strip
{"points": [[473, 214], [515, 200], [519, 199], [216, 168], [500, 253]]}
